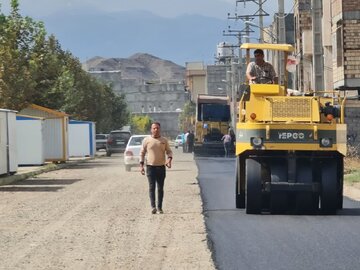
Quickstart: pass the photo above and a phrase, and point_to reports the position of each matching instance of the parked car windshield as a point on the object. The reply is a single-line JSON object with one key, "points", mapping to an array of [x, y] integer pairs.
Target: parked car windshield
{"points": [[100, 136], [121, 135], [136, 140]]}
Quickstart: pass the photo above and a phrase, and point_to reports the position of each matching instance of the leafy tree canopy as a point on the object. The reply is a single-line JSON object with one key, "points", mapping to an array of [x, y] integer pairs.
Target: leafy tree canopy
{"points": [[187, 116], [35, 69], [140, 124]]}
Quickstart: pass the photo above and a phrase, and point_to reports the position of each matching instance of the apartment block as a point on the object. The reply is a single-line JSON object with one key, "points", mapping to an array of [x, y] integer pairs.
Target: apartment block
{"points": [[346, 46], [195, 79]]}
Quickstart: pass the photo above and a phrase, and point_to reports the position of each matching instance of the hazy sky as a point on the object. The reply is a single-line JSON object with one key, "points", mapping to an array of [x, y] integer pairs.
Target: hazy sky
{"points": [[49, 11], [165, 8]]}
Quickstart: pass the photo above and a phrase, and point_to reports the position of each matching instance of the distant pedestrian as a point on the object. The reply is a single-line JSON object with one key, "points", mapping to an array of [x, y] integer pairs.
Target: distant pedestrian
{"points": [[185, 145], [227, 140], [190, 142], [155, 147]]}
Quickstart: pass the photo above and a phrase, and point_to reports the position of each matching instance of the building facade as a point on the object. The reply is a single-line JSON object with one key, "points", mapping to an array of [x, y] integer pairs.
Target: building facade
{"points": [[195, 79], [340, 43], [164, 101], [346, 46]]}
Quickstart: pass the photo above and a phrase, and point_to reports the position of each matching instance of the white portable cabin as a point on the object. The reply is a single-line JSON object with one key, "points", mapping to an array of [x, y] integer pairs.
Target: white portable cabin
{"points": [[30, 140], [81, 138], [8, 155], [56, 129]]}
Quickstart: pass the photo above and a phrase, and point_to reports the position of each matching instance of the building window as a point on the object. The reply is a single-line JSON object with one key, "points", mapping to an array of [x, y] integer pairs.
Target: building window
{"points": [[339, 45]]}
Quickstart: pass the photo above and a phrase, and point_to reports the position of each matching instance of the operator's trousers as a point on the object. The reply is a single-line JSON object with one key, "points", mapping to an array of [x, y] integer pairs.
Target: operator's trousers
{"points": [[156, 176], [227, 148]]}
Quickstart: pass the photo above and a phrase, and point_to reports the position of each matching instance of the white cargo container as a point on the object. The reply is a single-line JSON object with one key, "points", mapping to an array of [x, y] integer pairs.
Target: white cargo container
{"points": [[8, 156], [30, 140], [81, 138], [56, 128]]}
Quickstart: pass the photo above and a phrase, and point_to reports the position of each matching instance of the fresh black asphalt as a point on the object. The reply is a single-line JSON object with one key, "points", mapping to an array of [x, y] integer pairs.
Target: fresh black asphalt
{"points": [[274, 242]]}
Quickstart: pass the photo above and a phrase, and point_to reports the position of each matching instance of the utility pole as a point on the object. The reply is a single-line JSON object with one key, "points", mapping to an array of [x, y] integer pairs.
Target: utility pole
{"points": [[236, 79], [261, 13], [238, 34], [318, 61], [246, 18], [281, 40], [247, 30], [261, 21]]}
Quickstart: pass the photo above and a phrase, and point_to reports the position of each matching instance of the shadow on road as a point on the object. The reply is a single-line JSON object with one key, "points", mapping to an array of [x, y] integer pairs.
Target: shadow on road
{"points": [[47, 182], [38, 185], [30, 189], [90, 165], [349, 212]]}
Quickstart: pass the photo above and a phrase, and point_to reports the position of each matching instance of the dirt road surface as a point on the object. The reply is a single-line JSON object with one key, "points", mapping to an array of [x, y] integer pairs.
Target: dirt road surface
{"points": [[97, 216]]}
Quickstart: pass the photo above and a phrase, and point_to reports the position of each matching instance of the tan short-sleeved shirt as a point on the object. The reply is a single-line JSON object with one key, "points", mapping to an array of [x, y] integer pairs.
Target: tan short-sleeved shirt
{"points": [[155, 148]]}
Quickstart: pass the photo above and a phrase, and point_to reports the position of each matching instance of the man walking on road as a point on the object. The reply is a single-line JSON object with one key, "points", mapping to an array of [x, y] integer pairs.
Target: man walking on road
{"points": [[155, 147], [227, 144], [190, 141]]}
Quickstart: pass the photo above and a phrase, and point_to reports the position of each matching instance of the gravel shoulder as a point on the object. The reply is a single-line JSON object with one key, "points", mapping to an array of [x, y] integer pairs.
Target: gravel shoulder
{"points": [[352, 191], [97, 216]]}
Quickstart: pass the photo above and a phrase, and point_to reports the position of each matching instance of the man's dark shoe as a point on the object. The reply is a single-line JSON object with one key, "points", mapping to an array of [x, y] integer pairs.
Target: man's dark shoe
{"points": [[153, 211], [160, 211]]}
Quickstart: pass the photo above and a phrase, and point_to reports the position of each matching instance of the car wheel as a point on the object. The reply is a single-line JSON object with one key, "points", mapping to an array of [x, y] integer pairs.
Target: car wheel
{"points": [[108, 154]]}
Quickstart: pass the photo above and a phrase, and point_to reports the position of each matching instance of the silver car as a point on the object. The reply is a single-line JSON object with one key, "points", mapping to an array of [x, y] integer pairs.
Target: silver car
{"points": [[101, 141], [132, 151], [178, 141]]}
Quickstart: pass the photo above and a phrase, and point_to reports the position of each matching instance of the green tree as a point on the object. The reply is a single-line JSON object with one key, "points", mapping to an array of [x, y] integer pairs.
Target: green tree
{"points": [[53, 77], [140, 124], [34, 69], [187, 116], [19, 39]]}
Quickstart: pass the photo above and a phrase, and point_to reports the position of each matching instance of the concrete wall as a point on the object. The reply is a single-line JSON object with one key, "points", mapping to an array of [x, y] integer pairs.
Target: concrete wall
{"points": [[215, 74], [162, 102], [145, 97], [169, 122], [155, 97]]}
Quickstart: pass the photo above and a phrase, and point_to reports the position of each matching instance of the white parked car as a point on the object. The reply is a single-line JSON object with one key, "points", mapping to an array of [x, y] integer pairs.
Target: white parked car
{"points": [[178, 141], [132, 151]]}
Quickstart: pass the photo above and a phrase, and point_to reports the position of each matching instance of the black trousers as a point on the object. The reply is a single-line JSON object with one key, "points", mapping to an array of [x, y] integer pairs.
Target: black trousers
{"points": [[156, 176], [190, 148]]}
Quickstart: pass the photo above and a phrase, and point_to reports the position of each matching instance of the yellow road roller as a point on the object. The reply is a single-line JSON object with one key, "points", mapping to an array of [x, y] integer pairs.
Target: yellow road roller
{"points": [[289, 148]]}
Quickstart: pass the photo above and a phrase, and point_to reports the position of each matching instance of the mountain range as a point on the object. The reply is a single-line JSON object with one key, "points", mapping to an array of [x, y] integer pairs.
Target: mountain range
{"points": [[88, 33], [139, 67]]}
